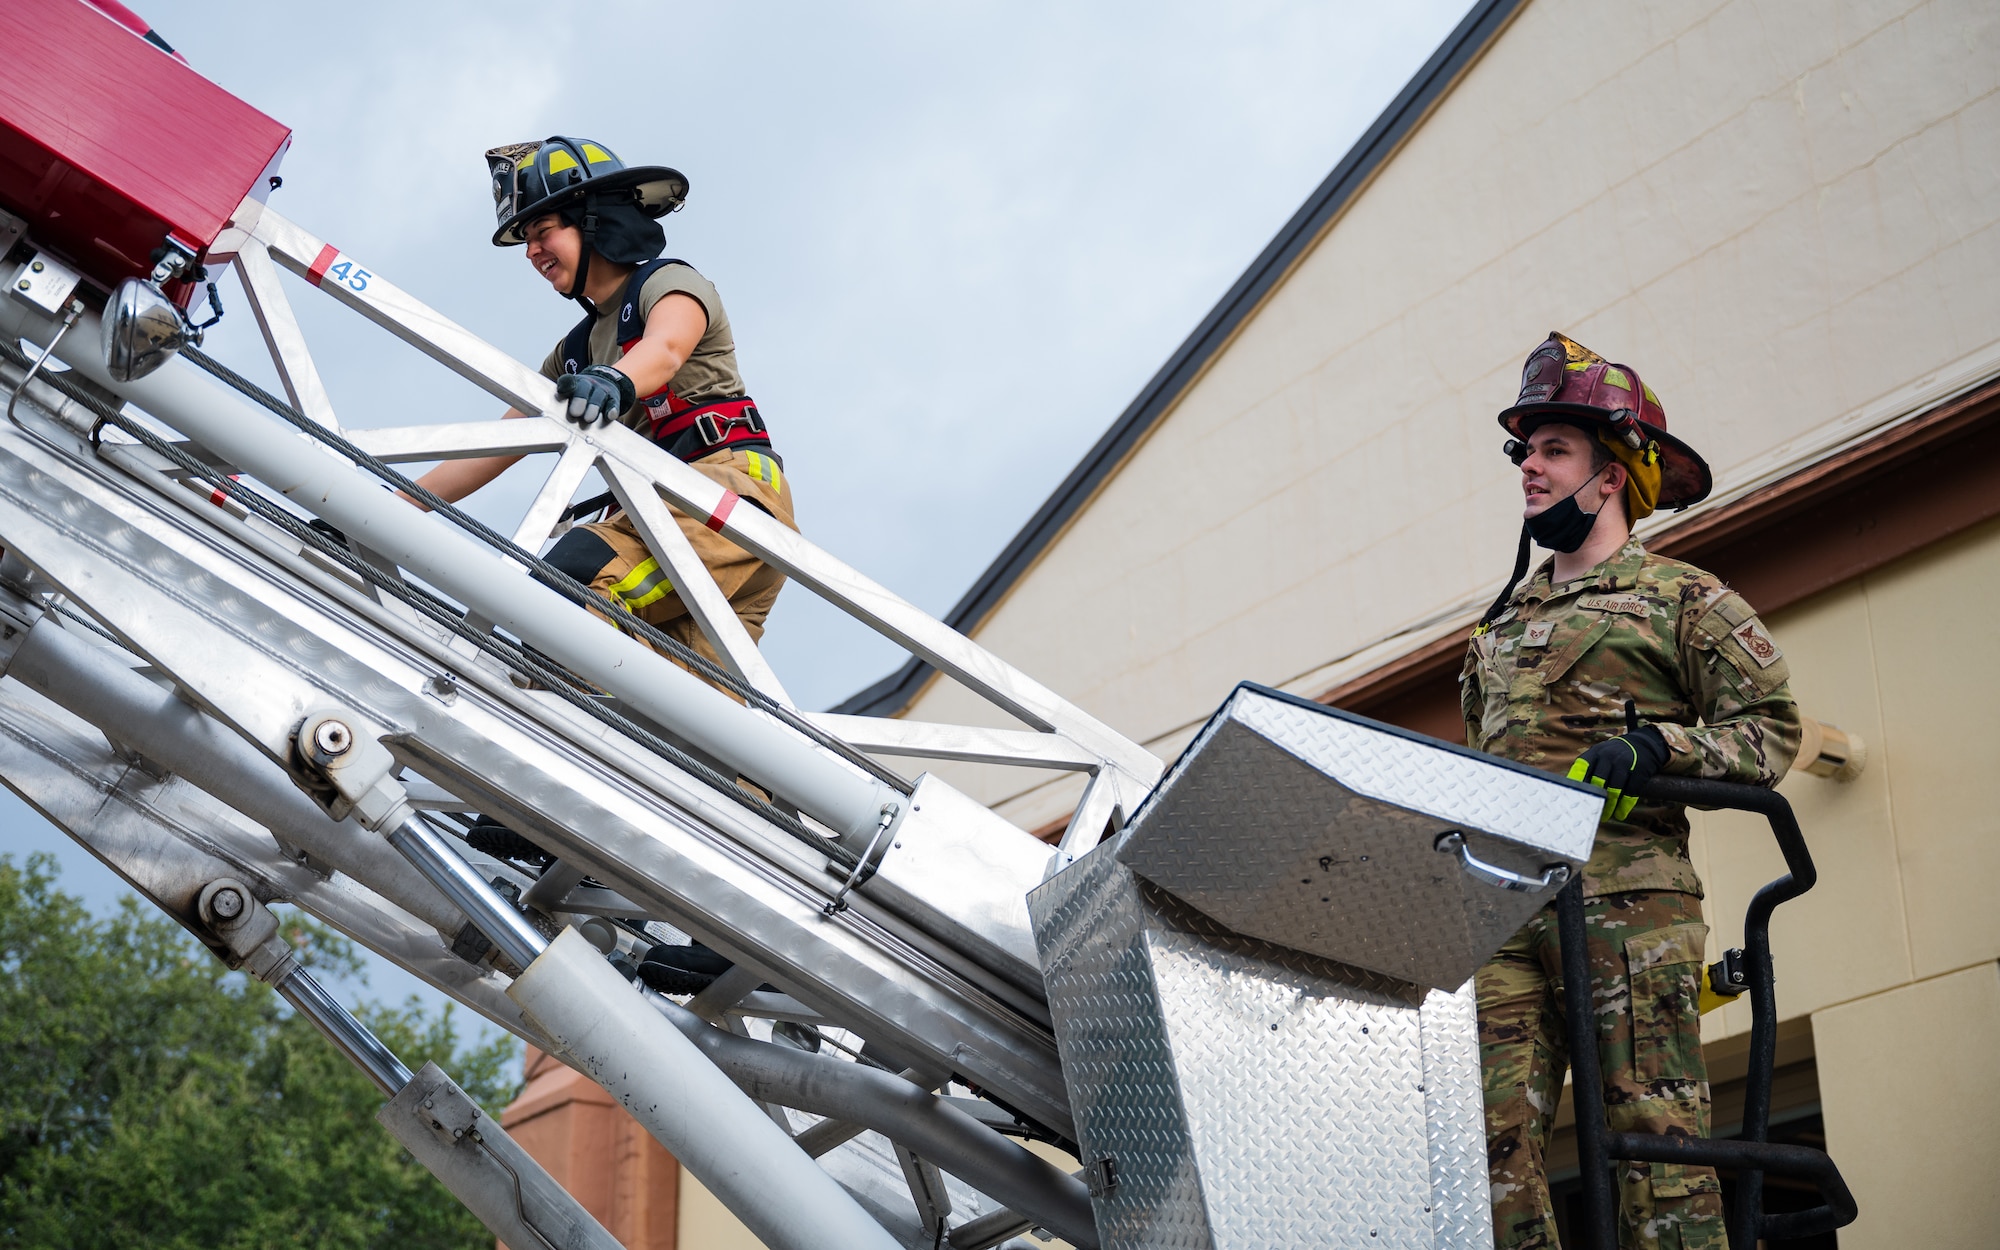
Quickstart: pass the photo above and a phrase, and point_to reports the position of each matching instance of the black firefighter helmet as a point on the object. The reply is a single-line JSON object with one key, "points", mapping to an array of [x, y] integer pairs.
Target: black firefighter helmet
{"points": [[530, 179], [616, 205]]}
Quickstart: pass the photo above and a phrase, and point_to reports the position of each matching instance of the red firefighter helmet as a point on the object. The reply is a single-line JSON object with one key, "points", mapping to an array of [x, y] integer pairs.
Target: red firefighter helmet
{"points": [[1565, 382]]}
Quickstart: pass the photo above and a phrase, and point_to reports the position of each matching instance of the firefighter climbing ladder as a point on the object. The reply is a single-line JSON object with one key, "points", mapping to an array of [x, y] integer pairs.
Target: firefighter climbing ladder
{"points": [[242, 672]]}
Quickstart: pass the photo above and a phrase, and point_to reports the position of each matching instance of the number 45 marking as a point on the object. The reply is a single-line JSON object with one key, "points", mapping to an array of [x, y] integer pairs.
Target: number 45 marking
{"points": [[350, 275]]}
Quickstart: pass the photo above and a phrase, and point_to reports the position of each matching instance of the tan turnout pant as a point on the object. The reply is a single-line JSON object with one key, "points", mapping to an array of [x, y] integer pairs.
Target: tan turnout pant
{"points": [[610, 558]]}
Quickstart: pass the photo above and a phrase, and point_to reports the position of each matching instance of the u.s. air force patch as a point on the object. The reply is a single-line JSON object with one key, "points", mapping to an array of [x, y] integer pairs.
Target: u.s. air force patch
{"points": [[1758, 643], [1630, 605]]}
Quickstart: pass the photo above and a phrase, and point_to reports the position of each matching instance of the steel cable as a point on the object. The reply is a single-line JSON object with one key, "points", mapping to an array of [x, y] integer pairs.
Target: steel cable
{"points": [[68, 613], [549, 574], [439, 610]]}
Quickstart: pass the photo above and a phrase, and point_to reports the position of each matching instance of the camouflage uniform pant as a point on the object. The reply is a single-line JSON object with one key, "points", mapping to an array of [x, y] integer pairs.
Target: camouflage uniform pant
{"points": [[1645, 951]]}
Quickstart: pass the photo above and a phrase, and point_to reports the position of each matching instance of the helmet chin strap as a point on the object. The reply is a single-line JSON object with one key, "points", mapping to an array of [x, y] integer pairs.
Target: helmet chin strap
{"points": [[576, 285], [1506, 591]]}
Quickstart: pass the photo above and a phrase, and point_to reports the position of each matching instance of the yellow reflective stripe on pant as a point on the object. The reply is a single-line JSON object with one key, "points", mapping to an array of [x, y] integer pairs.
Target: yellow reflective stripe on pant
{"points": [[645, 584], [764, 469], [632, 576]]}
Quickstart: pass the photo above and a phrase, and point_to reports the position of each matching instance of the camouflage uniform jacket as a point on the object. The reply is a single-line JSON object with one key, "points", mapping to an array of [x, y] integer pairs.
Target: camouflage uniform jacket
{"points": [[1552, 674]]}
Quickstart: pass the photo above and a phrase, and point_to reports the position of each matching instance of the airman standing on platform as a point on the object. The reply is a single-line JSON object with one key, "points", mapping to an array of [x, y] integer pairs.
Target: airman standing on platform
{"points": [[1613, 665]]}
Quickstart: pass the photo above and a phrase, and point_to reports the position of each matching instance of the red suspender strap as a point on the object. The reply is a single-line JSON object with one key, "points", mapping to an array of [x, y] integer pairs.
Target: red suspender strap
{"points": [[702, 427], [705, 427]]}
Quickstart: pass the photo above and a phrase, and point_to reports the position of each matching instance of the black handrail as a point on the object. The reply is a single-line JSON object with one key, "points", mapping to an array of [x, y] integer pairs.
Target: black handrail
{"points": [[1753, 1155]]}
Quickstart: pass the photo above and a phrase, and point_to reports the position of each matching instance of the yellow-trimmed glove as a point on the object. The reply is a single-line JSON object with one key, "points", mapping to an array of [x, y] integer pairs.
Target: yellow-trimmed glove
{"points": [[1621, 764]]}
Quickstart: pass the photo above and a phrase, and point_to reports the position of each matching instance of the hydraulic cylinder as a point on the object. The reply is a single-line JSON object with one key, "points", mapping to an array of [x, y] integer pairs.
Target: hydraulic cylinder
{"points": [[606, 1029]]}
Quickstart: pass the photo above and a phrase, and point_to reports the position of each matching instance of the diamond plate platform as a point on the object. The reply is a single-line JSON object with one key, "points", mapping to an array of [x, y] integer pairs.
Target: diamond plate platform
{"points": [[1247, 1095], [1319, 830]]}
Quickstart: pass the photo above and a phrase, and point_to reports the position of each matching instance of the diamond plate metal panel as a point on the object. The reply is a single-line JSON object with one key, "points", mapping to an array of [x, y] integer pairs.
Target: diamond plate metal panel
{"points": [[1124, 1089], [1447, 782], [1454, 1107], [1317, 830], [1253, 1096], [1304, 1098]]}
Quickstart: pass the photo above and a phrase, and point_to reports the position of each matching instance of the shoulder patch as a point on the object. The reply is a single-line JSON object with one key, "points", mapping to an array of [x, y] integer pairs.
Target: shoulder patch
{"points": [[1630, 605], [1757, 642]]}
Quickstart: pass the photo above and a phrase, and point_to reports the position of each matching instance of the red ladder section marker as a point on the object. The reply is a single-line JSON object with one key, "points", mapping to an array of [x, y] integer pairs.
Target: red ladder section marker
{"points": [[720, 517], [322, 263]]}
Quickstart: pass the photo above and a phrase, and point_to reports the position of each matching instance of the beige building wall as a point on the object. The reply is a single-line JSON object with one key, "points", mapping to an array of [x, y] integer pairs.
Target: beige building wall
{"points": [[705, 1224], [1918, 1138], [1909, 852], [1785, 215], [1892, 957]]}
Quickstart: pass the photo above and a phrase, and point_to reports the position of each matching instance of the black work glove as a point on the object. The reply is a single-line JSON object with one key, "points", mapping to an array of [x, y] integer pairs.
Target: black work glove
{"points": [[596, 393], [1620, 765]]}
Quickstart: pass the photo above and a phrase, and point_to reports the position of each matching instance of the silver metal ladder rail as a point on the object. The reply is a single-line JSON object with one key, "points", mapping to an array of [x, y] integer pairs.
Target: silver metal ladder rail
{"points": [[383, 675]]}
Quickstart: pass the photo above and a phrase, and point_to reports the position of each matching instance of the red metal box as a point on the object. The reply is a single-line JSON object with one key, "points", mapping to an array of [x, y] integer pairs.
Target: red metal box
{"points": [[108, 145]]}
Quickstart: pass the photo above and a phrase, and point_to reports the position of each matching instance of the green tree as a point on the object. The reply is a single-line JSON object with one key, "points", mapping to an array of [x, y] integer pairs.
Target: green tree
{"points": [[150, 1097]]}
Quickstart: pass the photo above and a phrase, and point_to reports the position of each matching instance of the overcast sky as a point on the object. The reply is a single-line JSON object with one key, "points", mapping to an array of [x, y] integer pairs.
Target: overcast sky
{"points": [[954, 239]]}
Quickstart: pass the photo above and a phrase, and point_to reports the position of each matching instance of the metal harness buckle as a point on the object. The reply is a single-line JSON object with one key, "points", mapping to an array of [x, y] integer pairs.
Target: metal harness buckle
{"points": [[712, 431]]}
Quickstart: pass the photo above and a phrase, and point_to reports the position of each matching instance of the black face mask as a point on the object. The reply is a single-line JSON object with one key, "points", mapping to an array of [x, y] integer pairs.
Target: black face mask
{"points": [[1562, 526]]}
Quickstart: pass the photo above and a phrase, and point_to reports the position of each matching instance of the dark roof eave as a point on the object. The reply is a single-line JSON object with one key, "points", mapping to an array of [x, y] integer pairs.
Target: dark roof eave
{"points": [[1453, 57]]}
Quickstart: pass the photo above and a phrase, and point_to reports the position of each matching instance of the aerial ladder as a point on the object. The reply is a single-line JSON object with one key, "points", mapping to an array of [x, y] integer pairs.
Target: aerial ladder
{"points": [[242, 672]]}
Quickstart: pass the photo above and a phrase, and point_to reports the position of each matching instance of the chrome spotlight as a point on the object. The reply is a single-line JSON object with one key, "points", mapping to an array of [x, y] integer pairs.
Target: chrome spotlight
{"points": [[142, 330]]}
